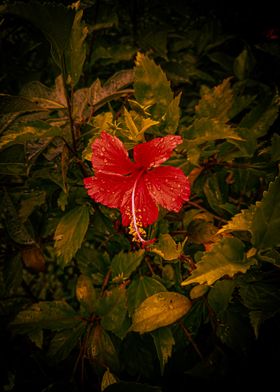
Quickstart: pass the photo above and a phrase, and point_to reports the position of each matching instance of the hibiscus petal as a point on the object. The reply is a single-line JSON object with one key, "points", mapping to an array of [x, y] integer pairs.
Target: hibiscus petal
{"points": [[168, 186], [156, 151], [110, 156], [108, 189], [145, 207]]}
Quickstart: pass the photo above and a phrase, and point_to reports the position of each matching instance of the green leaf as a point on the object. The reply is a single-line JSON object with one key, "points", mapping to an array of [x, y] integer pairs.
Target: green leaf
{"points": [[266, 221], [164, 341], [28, 134], [37, 337], [87, 100], [215, 192], [135, 125], [64, 342], [263, 295], [70, 233], [54, 315], [226, 258], [220, 295], [107, 379], [75, 53], [17, 104], [101, 122], [259, 120], [54, 20], [151, 86], [257, 318], [85, 293], [171, 118], [12, 273], [244, 64], [101, 349], [159, 310], [216, 102], [141, 288], [133, 132], [198, 291], [45, 97], [167, 248], [205, 131], [275, 147], [15, 227], [90, 261], [112, 309], [123, 264], [29, 204], [241, 221], [234, 329]]}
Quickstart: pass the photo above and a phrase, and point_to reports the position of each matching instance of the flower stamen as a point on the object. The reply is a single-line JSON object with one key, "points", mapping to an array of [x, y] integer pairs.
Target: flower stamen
{"points": [[136, 225]]}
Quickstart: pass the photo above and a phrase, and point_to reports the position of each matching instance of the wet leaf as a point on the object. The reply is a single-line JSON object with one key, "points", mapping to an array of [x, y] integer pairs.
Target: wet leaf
{"points": [[159, 310], [141, 288]]}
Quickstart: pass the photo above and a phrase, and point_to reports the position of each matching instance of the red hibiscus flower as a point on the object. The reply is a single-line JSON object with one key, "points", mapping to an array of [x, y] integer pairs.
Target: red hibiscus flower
{"points": [[137, 187]]}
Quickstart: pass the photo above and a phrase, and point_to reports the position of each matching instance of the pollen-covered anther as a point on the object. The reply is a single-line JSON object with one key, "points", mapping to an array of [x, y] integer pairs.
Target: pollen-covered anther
{"points": [[137, 233]]}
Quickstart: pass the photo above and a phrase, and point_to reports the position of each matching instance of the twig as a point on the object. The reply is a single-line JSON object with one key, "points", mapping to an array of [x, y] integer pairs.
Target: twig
{"points": [[189, 336], [106, 281], [192, 203]]}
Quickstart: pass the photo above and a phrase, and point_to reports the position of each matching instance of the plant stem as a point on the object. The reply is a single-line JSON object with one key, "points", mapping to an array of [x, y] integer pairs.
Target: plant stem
{"points": [[192, 203], [69, 105], [189, 336]]}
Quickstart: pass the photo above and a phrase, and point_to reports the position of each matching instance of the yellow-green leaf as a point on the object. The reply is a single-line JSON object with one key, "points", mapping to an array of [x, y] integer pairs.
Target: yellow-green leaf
{"points": [[107, 379], [167, 248], [215, 102], [226, 258], [159, 310], [198, 291], [241, 221]]}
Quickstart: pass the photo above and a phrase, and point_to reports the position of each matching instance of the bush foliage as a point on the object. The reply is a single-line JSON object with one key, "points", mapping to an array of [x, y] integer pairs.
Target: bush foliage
{"points": [[83, 306]]}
